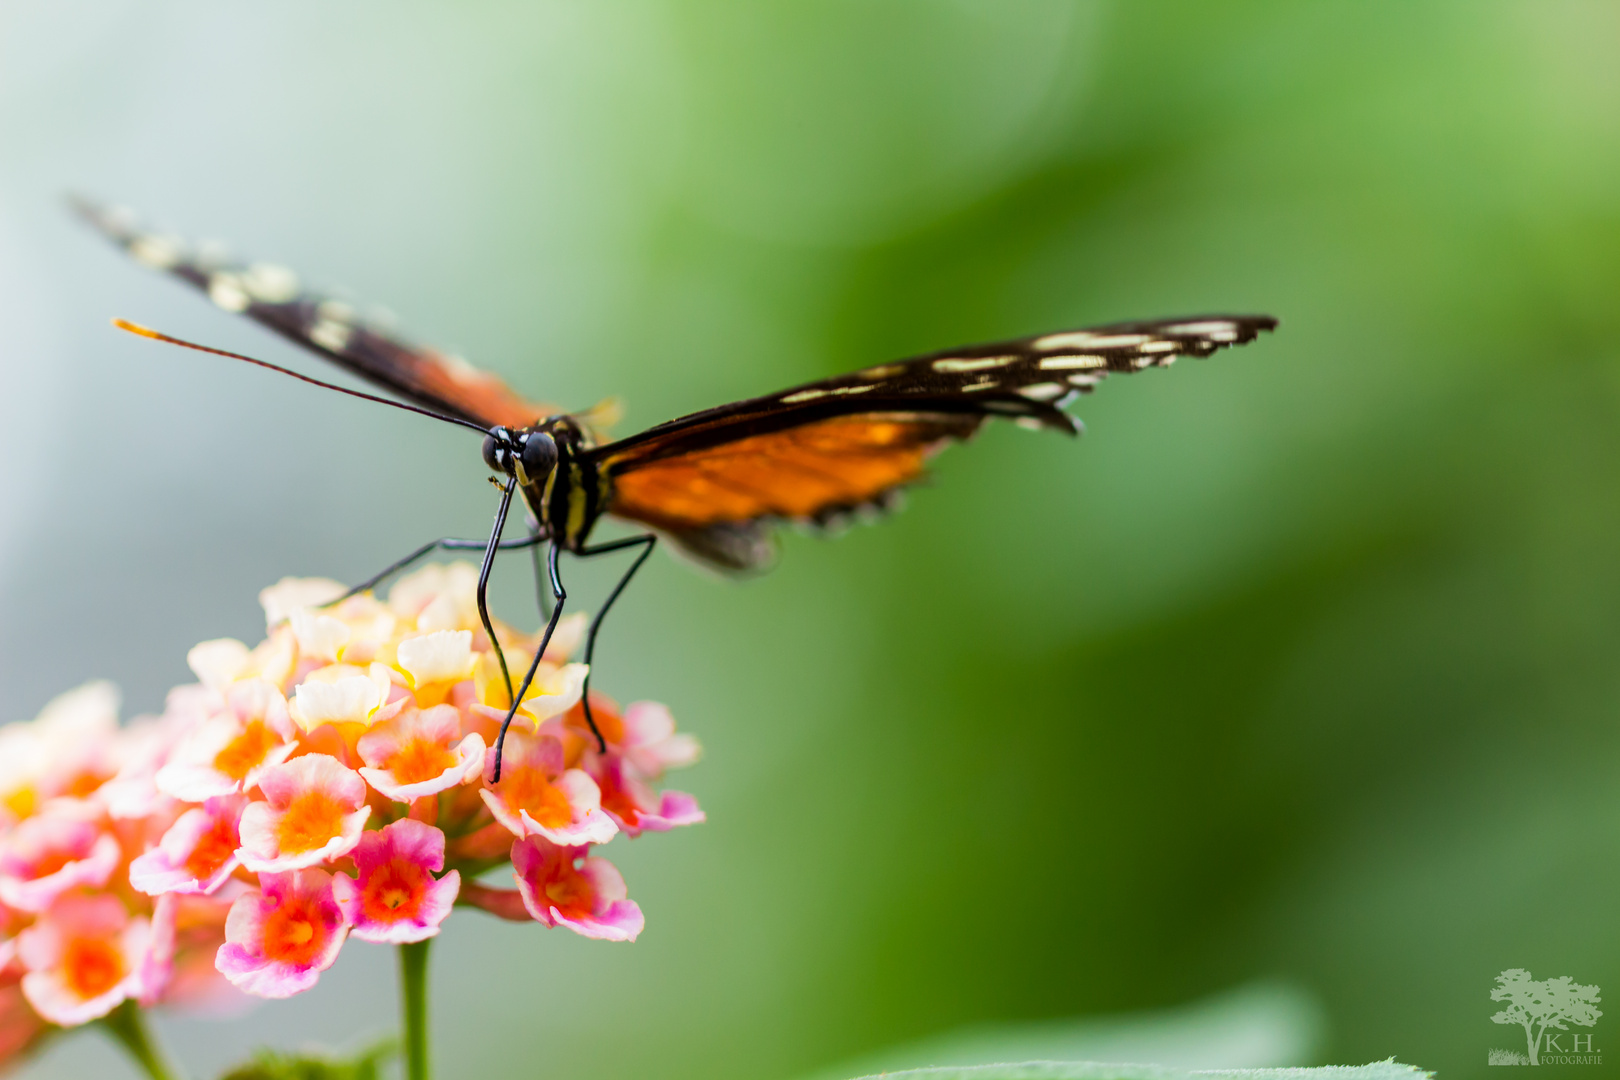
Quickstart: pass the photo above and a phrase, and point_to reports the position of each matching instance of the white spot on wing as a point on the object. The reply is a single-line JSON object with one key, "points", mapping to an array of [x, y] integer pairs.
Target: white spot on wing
{"points": [[331, 334], [884, 371], [988, 385], [158, 252], [803, 395], [977, 363], [1223, 335], [1067, 363], [1043, 391], [226, 290], [1119, 341], [336, 310], [851, 389], [1029, 423], [270, 284], [1084, 380], [1160, 346], [1210, 326], [1086, 339], [1073, 339]]}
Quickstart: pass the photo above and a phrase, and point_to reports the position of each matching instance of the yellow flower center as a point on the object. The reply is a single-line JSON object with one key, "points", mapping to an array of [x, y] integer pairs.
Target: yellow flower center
{"points": [[213, 848], [528, 789], [243, 753], [22, 801], [293, 934], [92, 966], [85, 784], [570, 894], [419, 760], [310, 821], [394, 891]]}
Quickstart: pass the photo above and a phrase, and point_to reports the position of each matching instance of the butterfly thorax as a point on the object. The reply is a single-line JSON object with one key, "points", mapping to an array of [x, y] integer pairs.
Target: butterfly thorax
{"points": [[559, 481]]}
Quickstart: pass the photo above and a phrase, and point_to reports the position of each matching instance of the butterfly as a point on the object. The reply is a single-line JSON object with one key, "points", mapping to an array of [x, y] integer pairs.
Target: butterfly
{"points": [[714, 483]]}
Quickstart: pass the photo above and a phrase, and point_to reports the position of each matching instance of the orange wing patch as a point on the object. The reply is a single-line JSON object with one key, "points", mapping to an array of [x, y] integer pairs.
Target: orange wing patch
{"points": [[798, 473], [474, 392]]}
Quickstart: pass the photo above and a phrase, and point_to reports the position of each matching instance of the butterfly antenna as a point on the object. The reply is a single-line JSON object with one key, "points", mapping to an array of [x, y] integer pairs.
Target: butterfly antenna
{"points": [[147, 332]]}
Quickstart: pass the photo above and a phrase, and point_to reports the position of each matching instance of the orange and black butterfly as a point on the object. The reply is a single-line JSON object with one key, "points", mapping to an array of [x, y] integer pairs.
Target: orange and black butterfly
{"points": [[714, 483]]}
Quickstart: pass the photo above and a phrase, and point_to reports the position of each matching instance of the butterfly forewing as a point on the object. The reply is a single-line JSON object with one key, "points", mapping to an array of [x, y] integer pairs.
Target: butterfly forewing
{"points": [[273, 297], [819, 450]]}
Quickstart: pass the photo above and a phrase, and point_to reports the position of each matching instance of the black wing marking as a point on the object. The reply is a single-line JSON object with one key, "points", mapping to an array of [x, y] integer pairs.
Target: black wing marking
{"points": [[273, 297], [1028, 380]]}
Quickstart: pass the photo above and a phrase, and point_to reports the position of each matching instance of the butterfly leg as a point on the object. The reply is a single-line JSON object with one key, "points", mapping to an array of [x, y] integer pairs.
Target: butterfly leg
{"points": [[449, 543], [561, 594], [483, 580], [647, 542], [541, 597]]}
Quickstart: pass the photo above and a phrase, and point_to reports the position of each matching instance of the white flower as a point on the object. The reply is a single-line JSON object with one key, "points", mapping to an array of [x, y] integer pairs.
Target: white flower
{"points": [[289, 594], [340, 694], [318, 634], [443, 656], [218, 663], [438, 597], [554, 691]]}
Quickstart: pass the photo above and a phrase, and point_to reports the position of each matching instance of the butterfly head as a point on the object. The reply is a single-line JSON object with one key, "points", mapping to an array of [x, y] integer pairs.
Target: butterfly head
{"points": [[531, 454]]}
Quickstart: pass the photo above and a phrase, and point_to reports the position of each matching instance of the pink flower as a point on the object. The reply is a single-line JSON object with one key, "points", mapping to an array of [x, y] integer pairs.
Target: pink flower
{"points": [[537, 795], [45, 856], [315, 810], [417, 754], [644, 736], [157, 966], [651, 744], [278, 940], [396, 898], [561, 887], [196, 855], [83, 957], [187, 932], [636, 807], [20, 1025], [143, 747], [228, 752]]}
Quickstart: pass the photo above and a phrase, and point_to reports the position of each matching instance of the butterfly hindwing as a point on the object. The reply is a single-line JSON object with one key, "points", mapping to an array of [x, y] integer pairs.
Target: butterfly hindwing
{"points": [[273, 297], [714, 480]]}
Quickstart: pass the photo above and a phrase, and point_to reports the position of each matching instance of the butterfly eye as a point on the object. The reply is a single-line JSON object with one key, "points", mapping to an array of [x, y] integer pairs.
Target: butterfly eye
{"points": [[498, 449], [539, 455]]}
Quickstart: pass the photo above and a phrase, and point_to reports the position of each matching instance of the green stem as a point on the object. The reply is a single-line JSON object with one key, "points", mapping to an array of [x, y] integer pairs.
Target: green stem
{"points": [[127, 1024], [413, 960]]}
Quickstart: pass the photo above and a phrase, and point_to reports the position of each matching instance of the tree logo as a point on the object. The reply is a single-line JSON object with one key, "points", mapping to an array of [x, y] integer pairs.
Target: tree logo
{"points": [[1537, 1006]]}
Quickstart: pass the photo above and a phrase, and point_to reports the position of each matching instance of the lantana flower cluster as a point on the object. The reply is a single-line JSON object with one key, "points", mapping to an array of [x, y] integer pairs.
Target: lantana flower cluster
{"points": [[334, 781]]}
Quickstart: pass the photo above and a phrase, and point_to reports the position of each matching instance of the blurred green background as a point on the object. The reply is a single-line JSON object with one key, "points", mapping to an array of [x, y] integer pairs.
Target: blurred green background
{"points": [[1299, 667]]}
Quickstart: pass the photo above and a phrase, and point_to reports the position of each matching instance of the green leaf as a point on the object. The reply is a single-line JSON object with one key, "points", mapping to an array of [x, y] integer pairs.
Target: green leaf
{"points": [[1093, 1070], [274, 1065], [1259, 1025]]}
